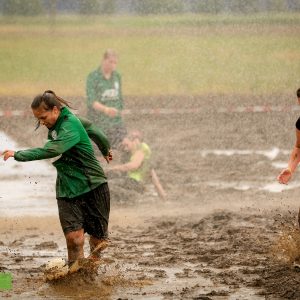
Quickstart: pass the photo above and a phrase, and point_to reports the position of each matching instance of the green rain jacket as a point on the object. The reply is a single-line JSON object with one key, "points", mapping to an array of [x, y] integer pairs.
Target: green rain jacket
{"points": [[78, 170], [109, 93]]}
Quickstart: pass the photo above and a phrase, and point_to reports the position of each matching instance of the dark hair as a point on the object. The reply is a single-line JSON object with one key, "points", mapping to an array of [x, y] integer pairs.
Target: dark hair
{"points": [[48, 100], [298, 93]]}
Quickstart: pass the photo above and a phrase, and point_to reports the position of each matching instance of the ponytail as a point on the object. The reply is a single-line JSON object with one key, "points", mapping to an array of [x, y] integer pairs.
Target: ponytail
{"points": [[48, 100]]}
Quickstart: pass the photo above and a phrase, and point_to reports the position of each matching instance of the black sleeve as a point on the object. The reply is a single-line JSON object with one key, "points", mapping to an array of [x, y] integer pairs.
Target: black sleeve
{"points": [[298, 124]]}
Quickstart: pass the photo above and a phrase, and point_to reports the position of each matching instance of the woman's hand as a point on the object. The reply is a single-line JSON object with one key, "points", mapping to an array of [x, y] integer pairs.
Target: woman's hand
{"points": [[109, 157], [284, 176], [7, 154], [111, 112]]}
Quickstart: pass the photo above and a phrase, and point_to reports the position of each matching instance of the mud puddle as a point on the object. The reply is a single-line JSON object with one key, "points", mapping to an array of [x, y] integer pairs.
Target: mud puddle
{"points": [[224, 255]]}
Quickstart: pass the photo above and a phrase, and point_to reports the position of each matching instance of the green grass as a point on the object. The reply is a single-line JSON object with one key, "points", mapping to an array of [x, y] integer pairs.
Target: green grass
{"points": [[158, 55]]}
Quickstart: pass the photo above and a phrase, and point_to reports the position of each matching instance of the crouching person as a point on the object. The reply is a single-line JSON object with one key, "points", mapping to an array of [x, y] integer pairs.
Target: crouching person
{"points": [[136, 172]]}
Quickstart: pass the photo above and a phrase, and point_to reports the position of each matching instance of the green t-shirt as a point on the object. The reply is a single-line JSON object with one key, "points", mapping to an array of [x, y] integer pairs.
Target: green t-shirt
{"points": [[109, 93], [78, 170]]}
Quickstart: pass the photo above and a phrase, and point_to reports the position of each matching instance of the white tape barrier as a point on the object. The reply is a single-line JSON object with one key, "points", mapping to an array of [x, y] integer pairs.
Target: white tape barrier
{"points": [[170, 111], [270, 154]]}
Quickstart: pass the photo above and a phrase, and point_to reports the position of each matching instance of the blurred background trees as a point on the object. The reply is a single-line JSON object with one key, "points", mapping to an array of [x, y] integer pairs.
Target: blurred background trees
{"points": [[19, 7], [144, 7]]}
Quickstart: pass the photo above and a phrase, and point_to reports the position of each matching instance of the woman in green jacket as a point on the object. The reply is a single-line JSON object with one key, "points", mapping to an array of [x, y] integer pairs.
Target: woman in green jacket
{"points": [[82, 192], [104, 99]]}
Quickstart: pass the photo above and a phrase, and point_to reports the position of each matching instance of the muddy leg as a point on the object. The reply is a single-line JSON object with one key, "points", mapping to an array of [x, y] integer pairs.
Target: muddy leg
{"points": [[97, 246], [75, 241]]}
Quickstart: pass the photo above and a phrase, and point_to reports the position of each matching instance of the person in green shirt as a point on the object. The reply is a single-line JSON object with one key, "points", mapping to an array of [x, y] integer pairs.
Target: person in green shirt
{"points": [[104, 99], [82, 192]]}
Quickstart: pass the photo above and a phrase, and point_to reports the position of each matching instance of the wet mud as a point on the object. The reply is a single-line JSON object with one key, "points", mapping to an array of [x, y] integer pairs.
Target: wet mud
{"points": [[223, 254], [220, 234]]}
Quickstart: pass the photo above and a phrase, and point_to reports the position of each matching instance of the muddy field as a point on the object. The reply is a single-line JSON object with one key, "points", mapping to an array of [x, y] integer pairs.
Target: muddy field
{"points": [[226, 231]]}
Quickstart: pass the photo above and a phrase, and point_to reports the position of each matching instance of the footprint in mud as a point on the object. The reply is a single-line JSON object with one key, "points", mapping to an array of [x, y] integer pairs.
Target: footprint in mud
{"points": [[186, 273], [46, 245], [187, 235], [16, 243], [31, 228], [18, 259], [159, 273], [31, 236]]}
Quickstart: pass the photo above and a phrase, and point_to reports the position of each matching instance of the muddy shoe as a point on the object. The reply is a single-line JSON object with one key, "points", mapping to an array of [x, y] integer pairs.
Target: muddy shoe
{"points": [[96, 252], [55, 269], [74, 266]]}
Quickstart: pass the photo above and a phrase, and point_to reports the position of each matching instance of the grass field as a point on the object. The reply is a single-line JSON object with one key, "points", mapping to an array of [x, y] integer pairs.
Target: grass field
{"points": [[183, 55]]}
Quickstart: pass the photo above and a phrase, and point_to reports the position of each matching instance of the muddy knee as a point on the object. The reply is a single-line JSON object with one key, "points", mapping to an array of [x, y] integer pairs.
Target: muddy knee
{"points": [[75, 241]]}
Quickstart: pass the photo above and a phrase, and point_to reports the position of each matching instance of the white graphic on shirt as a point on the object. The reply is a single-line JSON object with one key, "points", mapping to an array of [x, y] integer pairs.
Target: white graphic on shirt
{"points": [[111, 94], [54, 134]]}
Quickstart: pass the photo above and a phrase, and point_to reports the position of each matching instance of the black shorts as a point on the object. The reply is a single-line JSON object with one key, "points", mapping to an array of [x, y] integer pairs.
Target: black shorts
{"points": [[89, 211]]}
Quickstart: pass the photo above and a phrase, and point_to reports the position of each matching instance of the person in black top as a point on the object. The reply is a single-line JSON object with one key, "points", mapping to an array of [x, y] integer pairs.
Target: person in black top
{"points": [[286, 174]]}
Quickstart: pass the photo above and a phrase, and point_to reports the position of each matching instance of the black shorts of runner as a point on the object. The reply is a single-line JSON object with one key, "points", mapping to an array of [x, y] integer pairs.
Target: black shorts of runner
{"points": [[89, 211]]}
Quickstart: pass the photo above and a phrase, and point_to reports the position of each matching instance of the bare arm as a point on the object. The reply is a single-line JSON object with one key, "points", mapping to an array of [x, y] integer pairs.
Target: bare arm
{"points": [[135, 163], [286, 174], [110, 111]]}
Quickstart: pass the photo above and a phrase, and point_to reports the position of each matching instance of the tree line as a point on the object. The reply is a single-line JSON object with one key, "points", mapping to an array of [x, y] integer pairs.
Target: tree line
{"points": [[143, 7]]}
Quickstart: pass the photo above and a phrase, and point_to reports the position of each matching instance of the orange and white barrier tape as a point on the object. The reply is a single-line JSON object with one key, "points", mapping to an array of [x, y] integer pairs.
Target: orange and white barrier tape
{"points": [[170, 111], [14, 113]]}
